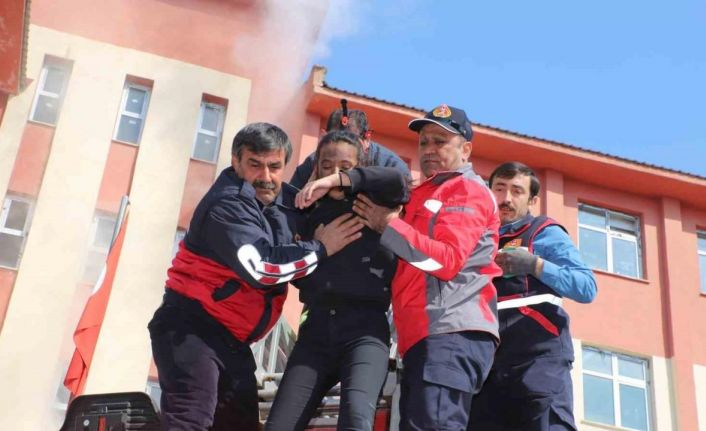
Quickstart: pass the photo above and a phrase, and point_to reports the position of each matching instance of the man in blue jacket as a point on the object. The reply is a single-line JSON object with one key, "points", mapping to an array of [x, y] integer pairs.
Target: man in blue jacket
{"points": [[529, 387], [356, 122]]}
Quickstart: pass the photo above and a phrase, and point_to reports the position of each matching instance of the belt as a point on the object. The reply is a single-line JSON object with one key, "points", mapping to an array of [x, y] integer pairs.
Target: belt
{"points": [[530, 300]]}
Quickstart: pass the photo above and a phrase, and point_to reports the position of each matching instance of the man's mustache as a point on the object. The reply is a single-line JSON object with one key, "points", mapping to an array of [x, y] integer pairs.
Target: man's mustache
{"points": [[259, 184], [506, 207]]}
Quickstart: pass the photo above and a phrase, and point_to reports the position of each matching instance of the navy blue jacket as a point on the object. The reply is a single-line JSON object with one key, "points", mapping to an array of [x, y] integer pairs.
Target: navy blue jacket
{"points": [[238, 256]]}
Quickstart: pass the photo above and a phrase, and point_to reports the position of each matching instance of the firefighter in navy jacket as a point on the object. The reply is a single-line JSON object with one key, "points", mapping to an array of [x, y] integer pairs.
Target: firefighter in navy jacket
{"points": [[228, 283], [443, 299], [529, 387], [345, 333]]}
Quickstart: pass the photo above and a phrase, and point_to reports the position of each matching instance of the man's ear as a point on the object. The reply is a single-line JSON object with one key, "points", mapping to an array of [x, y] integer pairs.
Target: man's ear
{"points": [[466, 149], [533, 201]]}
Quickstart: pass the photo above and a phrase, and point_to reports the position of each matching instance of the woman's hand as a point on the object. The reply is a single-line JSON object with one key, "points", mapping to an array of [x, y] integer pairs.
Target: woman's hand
{"points": [[315, 190]]}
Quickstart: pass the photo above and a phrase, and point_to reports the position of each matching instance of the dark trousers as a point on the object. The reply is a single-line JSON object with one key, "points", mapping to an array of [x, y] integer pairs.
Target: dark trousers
{"points": [[441, 375], [346, 344], [534, 395], [207, 378]]}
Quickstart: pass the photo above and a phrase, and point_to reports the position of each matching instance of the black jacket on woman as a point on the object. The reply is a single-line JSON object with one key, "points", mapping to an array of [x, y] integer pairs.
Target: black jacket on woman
{"points": [[360, 273]]}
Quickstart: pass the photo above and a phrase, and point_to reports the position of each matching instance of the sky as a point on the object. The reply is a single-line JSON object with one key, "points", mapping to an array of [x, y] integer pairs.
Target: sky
{"points": [[626, 77]]}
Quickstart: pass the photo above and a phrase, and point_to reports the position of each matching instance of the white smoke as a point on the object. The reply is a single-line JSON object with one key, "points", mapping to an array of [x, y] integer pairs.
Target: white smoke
{"points": [[344, 18]]}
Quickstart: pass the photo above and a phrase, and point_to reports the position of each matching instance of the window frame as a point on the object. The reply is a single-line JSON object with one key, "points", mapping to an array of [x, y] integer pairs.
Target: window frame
{"points": [[610, 234], [617, 379], [123, 111], [218, 134], [42, 92], [700, 234], [92, 247], [14, 232]]}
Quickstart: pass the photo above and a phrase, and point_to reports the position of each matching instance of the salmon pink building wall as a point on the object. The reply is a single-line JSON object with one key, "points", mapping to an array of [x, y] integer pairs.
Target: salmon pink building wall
{"points": [[31, 159], [117, 176]]}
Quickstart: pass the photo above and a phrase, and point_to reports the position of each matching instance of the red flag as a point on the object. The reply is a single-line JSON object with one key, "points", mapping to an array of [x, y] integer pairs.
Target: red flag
{"points": [[88, 328]]}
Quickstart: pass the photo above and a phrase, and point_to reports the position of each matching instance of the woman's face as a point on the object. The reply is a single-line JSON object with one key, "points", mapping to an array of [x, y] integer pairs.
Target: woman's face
{"points": [[333, 158]]}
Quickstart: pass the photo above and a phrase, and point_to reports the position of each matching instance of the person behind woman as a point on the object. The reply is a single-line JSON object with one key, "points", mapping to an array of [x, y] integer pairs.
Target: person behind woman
{"points": [[345, 334]]}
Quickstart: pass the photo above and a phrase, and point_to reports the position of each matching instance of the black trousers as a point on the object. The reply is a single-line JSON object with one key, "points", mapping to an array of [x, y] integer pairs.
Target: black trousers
{"points": [[534, 394], [442, 373], [342, 344], [207, 378]]}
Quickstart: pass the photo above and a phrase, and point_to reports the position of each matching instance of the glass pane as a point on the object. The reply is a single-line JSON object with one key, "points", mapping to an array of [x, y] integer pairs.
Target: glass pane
{"points": [[631, 367], [598, 399], [625, 257], [595, 360], [267, 349], [46, 110], [286, 344], [702, 264], [211, 117], [54, 81], [104, 233], [633, 407], [593, 248], [129, 129], [17, 215], [95, 261], [206, 147], [180, 234], [623, 223], [10, 248], [592, 217], [135, 100], [702, 242]]}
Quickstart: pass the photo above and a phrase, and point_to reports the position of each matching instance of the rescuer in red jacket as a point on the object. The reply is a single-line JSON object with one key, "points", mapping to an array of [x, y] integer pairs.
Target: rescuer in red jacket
{"points": [[443, 298], [228, 283]]}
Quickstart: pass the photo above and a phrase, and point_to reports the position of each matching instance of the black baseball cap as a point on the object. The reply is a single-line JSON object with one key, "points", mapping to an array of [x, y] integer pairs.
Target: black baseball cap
{"points": [[452, 119]]}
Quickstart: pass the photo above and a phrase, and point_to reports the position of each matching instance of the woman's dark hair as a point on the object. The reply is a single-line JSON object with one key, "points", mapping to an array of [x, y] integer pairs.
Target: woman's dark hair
{"points": [[343, 136], [509, 170], [357, 122], [261, 138]]}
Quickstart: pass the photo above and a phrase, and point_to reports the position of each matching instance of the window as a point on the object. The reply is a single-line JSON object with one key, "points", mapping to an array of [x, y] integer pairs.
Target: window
{"points": [[155, 392], [133, 109], [271, 353], [615, 389], [208, 134], [101, 237], [702, 259], [14, 224], [178, 237], [610, 241], [50, 93]]}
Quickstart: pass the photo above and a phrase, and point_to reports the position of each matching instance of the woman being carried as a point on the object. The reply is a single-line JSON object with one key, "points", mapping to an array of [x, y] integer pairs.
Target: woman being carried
{"points": [[345, 334]]}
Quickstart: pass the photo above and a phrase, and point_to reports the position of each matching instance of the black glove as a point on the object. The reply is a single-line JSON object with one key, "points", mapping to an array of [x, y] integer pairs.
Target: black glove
{"points": [[516, 261]]}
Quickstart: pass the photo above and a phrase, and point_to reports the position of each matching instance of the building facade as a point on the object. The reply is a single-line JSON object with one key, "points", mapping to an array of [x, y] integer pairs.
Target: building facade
{"points": [[142, 98]]}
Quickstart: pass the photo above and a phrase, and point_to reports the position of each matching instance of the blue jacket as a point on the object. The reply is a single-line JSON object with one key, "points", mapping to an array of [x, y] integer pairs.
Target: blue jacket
{"points": [[535, 329]]}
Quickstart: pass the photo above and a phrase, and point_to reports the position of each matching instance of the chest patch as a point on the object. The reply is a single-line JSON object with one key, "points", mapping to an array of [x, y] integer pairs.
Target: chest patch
{"points": [[433, 205]]}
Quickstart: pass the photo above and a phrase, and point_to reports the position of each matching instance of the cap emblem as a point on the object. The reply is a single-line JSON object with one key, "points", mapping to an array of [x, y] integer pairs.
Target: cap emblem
{"points": [[442, 111]]}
